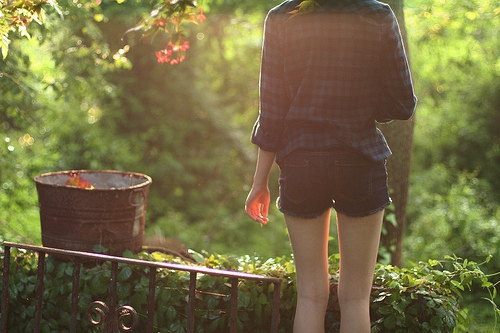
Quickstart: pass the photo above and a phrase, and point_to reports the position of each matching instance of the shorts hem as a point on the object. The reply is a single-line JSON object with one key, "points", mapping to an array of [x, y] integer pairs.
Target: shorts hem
{"points": [[303, 216], [368, 213]]}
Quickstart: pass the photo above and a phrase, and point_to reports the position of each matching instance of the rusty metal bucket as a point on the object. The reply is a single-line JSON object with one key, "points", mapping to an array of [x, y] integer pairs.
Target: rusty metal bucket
{"points": [[111, 214]]}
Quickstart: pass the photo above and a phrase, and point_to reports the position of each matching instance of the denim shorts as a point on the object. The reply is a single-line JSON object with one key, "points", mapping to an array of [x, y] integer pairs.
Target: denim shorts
{"points": [[311, 182]]}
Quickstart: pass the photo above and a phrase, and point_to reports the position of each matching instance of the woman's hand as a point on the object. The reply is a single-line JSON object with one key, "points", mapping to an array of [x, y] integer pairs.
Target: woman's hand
{"points": [[257, 204]]}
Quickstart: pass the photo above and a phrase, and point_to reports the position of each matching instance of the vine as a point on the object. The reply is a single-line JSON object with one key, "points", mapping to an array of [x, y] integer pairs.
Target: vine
{"points": [[423, 298], [167, 16]]}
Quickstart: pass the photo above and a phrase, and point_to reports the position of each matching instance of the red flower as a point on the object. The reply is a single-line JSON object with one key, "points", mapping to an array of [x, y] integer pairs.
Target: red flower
{"points": [[201, 15], [161, 23], [172, 53], [179, 48]]}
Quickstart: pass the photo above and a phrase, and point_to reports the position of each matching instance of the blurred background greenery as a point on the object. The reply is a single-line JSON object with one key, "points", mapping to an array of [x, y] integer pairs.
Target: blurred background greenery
{"points": [[68, 101]]}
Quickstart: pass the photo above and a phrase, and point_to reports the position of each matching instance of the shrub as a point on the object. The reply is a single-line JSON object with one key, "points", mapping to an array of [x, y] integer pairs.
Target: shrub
{"points": [[424, 298], [452, 213]]}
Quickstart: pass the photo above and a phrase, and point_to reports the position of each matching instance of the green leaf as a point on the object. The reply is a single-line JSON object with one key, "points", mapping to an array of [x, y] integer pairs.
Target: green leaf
{"points": [[171, 313], [391, 218], [98, 286], [263, 299], [198, 257], [243, 300], [4, 44], [124, 274], [457, 284], [390, 322], [212, 327], [69, 270]]}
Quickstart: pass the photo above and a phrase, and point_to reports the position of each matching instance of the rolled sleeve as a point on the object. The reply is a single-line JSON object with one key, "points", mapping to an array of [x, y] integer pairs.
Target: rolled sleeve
{"points": [[266, 141], [398, 99], [268, 129]]}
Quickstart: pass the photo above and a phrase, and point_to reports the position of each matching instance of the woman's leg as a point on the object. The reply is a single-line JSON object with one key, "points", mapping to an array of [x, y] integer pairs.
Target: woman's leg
{"points": [[309, 239], [359, 239]]}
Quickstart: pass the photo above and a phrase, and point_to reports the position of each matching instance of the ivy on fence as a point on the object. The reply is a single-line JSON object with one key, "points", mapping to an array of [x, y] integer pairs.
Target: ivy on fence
{"points": [[423, 298]]}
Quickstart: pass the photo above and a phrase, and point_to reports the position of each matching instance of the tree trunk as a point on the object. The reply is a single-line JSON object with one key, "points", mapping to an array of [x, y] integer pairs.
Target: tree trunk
{"points": [[399, 135]]}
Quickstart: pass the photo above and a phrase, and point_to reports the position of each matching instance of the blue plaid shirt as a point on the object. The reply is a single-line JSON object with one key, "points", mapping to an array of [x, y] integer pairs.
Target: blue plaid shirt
{"points": [[328, 76]]}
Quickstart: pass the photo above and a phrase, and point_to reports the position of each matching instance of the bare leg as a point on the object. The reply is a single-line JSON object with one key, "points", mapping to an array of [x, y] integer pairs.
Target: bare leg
{"points": [[309, 238], [359, 239]]}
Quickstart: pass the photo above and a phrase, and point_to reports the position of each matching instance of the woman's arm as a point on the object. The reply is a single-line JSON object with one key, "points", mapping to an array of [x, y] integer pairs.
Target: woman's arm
{"points": [[257, 203]]}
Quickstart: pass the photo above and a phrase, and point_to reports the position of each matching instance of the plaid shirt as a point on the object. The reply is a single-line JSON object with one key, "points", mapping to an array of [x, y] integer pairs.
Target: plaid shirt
{"points": [[328, 76]]}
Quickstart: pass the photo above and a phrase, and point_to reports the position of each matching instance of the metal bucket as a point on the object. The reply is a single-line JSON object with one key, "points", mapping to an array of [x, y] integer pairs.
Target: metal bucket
{"points": [[111, 214]]}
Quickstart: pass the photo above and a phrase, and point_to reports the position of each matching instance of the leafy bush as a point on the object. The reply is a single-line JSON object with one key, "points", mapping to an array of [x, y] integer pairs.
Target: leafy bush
{"points": [[453, 213], [424, 298], [457, 80]]}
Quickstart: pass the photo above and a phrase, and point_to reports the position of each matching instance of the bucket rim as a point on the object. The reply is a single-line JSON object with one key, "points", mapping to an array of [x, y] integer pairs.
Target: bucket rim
{"points": [[39, 179]]}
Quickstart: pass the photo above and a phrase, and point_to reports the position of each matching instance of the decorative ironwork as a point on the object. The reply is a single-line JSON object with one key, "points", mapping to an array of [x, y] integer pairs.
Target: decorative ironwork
{"points": [[98, 313], [125, 318]]}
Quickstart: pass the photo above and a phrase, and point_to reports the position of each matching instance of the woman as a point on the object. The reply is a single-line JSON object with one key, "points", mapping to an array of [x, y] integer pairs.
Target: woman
{"points": [[327, 77]]}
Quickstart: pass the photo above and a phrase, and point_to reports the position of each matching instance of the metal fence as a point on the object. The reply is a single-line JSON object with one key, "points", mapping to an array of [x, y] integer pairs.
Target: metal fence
{"points": [[110, 316]]}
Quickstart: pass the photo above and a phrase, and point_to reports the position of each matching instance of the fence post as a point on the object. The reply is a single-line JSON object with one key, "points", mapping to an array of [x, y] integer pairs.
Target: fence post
{"points": [[5, 289], [233, 317], [39, 291], [191, 301], [151, 299], [74, 294]]}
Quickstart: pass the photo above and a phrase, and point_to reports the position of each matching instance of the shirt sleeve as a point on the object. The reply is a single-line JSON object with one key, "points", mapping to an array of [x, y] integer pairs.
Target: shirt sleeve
{"points": [[397, 96], [268, 128]]}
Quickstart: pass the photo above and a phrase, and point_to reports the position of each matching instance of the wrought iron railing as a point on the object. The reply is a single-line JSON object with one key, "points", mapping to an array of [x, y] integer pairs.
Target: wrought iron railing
{"points": [[113, 318]]}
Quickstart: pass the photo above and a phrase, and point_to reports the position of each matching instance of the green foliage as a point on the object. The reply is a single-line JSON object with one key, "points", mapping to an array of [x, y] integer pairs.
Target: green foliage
{"points": [[77, 110], [454, 49], [385, 251], [77, 96], [44, 131], [215, 233], [167, 20], [212, 297], [424, 298], [454, 192], [15, 16], [453, 214]]}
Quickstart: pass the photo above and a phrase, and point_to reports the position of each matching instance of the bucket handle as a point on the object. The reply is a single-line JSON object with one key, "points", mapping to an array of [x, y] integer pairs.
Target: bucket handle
{"points": [[132, 197]]}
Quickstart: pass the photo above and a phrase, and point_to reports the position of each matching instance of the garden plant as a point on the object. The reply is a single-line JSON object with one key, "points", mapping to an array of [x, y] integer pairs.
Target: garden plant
{"points": [[423, 298], [79, 92]]}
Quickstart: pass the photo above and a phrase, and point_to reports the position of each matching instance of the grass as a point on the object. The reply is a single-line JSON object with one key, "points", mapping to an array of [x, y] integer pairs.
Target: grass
{"points": [[481, 314]]}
